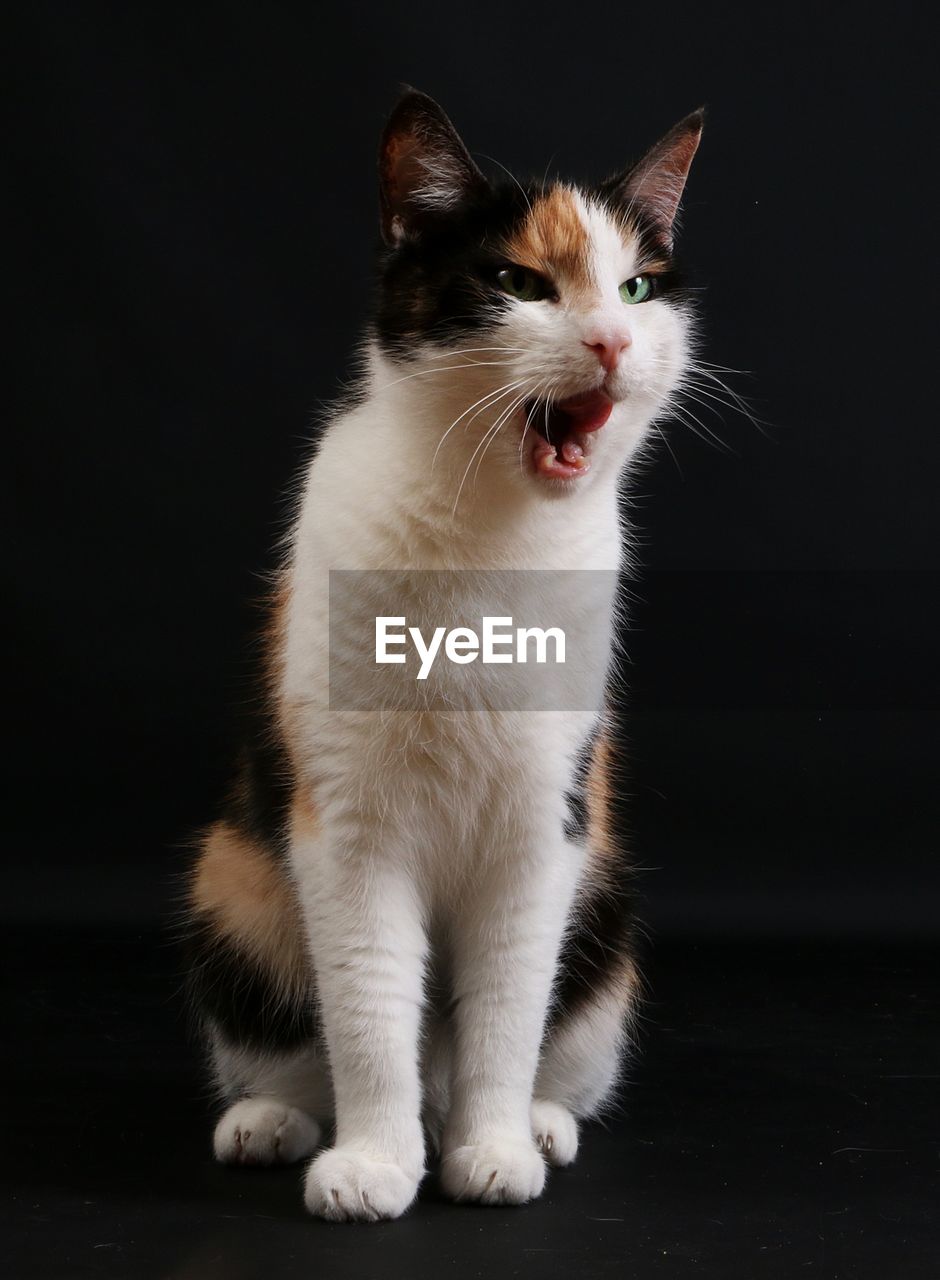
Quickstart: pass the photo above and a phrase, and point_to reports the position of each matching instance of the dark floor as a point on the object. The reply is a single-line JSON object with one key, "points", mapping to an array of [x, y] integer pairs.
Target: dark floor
{"points": [[781, 1121]]}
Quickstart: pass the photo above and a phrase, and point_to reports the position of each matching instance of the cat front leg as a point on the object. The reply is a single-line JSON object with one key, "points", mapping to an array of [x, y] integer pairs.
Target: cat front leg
{"points": [[367, 941], [505, 958]]}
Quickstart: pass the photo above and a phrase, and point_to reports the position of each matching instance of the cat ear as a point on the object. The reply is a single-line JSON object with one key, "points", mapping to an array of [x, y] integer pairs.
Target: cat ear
{"points": [[655, 185], [424, 168]]}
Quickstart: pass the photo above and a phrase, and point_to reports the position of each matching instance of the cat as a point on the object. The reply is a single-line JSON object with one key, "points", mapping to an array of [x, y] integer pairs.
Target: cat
{"points": [[396, 926]]}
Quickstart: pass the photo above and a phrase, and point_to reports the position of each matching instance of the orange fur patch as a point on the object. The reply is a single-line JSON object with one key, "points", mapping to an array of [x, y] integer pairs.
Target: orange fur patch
{"points": [[623, 981], [599, 796], [553, 240], [250, 900], [627, 987]]}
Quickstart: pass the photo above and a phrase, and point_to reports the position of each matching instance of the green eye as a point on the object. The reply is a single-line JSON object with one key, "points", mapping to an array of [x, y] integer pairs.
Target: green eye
{"points": [[523, 284], [637, 289]]}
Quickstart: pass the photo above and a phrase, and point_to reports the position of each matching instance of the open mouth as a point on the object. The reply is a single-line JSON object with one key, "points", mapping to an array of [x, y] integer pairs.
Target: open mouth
{"points": [[563, 432]]}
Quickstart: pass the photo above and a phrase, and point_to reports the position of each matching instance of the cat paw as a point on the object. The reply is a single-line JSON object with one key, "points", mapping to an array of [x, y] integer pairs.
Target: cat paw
{"points": [[499, 1171], [348, 1186], [555, 1131], [264, 1131]]}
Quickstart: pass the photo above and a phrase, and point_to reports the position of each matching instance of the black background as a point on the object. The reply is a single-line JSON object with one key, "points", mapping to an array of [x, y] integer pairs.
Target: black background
{"points": [[194, 221], [197, 206]]}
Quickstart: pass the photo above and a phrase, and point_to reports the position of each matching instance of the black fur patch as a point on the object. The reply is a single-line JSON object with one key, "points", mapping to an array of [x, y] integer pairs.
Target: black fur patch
{"points": [[602, 940], [441, 285], [598, 947], [258, 802], [576, 824], [229, 989]]}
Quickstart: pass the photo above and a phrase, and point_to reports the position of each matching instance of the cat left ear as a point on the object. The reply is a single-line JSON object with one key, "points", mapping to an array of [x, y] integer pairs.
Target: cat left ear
{"points": [[424, 168], [656, 184]]}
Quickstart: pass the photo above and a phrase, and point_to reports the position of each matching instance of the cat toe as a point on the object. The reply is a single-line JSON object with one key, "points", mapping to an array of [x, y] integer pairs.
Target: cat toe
{"points": [[498, 1171], [555, 1131], [264, 1131], [350, 1186]]}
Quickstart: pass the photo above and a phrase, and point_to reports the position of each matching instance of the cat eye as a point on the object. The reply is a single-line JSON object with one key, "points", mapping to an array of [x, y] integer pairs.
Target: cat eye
{"points": [[523, 284], [637, 289]]}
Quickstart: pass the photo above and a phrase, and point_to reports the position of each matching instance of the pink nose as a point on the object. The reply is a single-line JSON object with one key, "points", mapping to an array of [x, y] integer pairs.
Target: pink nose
{"points": [[608, 347]]}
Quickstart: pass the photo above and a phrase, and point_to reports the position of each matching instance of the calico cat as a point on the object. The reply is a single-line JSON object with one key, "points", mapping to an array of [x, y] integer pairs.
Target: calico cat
{"points": [[395, 927]]}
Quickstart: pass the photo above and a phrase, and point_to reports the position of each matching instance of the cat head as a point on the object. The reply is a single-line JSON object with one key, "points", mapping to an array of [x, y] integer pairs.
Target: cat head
{"points": [[553, 314]]}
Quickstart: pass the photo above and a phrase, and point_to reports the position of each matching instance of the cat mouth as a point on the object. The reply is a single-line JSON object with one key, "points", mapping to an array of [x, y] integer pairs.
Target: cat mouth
{"points": [[563, 432]]}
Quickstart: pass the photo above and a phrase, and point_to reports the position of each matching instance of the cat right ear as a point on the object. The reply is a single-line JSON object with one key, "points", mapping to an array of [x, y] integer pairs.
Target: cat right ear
{"points": [[657, 182], [424, 168]]}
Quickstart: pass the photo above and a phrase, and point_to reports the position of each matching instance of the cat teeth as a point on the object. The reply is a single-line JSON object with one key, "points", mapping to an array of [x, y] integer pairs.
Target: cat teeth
{"points": [[570, 460]]}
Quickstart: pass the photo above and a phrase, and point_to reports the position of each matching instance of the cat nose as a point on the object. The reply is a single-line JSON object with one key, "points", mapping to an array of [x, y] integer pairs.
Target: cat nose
{"points": [[608, 346]]}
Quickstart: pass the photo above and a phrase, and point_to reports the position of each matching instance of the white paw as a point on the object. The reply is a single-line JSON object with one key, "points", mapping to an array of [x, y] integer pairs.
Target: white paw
{"points": [[346, 1185], [499, 1171], [264, 1131], [555, 1131]]}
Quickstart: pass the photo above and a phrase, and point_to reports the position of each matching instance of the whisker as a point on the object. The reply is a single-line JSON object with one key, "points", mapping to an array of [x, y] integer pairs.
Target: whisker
{"points": [[492, 431], [509, 173], [682, 414], [535, 404], [493, 396], [734, 401], [691, 388], [491, 435], [469, 364], [463, 351], [672, 452], [722, 368], [709, 404]]}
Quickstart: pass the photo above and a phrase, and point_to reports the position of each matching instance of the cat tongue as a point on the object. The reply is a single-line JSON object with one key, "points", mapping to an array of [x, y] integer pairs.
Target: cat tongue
{"points": [[587, 412], [560, 450]]}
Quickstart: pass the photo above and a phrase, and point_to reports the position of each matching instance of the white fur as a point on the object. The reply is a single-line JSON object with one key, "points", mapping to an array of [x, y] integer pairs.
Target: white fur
{"points": [[261, 1130], [440, 836], [555, 1131]]}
